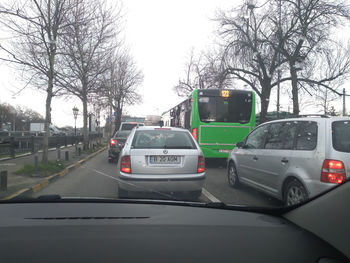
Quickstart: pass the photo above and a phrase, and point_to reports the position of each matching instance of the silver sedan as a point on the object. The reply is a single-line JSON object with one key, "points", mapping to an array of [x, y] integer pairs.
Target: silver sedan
{"points": [[161, 160]]}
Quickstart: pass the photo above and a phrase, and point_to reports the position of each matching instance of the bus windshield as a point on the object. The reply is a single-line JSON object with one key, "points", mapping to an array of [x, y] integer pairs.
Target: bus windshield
{"points": [[236, 108]]}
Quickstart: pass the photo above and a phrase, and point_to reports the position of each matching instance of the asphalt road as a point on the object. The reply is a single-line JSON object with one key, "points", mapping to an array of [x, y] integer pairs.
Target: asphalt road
{"points": [[98, 178]]}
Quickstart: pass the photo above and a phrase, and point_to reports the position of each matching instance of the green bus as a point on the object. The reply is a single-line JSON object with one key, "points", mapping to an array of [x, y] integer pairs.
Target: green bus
{"points": [[217, 119]]}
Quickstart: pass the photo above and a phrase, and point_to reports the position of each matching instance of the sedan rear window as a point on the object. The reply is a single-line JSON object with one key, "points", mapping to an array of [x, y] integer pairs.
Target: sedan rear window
{"points": [[341, 136], [122, 133], [128, 126], [162, 139]]}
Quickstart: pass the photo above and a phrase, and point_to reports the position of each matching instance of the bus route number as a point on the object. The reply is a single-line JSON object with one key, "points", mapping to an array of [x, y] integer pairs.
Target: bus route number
{"points": [[225, 93]]}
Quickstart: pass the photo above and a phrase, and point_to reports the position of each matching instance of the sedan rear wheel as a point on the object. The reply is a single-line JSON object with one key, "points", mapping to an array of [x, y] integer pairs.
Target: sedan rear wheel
{"points": [[232, 176], [295, 193]]}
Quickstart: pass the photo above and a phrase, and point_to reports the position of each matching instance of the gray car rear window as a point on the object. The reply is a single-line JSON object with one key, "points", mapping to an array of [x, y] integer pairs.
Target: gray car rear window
{"points": [[122, 133], [162, 139], [341, 136]]}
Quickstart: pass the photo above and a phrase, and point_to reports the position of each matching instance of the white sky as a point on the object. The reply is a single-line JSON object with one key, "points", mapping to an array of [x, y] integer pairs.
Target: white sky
{"points": [[160, 35]]}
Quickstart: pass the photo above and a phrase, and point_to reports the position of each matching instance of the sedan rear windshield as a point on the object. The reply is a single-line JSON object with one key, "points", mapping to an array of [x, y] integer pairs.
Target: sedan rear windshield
{"points": [[128, 126], [341, 136], [122, 134], [162, 139]]}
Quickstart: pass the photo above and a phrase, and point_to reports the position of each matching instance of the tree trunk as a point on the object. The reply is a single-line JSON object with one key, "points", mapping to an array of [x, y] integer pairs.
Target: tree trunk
{"points": [[119, 116], [47, 124], [295, 92], [49, 96], [85, 129], [265, 99]]}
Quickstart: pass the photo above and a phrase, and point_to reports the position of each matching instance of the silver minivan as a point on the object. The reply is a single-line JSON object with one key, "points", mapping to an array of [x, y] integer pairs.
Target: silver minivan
{"points": [[293, 159]]}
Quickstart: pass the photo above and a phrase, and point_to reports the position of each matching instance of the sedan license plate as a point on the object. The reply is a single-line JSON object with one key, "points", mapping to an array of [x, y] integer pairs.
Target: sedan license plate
{"points": [[160, 159]]}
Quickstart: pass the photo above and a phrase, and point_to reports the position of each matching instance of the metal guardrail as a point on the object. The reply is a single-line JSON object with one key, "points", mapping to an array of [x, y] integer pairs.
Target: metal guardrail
{"points": [[13, 146]]}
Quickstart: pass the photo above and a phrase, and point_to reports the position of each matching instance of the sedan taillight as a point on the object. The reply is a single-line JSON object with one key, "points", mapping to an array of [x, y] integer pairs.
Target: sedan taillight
{"points": [[125, 164], [113, 142], [333, 172], [201, 164]]}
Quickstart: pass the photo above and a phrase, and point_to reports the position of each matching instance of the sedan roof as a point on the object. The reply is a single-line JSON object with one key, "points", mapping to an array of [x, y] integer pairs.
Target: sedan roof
{"points": [[151, 128]]}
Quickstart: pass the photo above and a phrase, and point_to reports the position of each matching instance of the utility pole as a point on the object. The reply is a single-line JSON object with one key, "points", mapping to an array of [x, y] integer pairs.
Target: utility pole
{"points": [[279, 60], [344, 109]]}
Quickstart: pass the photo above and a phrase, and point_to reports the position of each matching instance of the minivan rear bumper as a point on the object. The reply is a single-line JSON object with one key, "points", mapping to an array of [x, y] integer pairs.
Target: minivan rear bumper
{"points": [[316, 187], [161, 183]]}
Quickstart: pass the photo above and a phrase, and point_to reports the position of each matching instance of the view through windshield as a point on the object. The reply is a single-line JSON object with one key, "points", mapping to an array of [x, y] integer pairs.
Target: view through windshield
{"points": [[234, 102]]}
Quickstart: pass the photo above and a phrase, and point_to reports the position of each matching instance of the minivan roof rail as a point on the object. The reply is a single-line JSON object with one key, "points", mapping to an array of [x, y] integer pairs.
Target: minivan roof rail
{"points": [[312, 115]]}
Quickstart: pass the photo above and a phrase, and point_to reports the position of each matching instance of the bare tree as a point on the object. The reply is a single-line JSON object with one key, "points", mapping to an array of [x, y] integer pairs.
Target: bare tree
{"points": [[202, 72], [121, 82], [88, 42], [247, 54], [193, 76], [261, 44], [36, 27], [304, 35]]}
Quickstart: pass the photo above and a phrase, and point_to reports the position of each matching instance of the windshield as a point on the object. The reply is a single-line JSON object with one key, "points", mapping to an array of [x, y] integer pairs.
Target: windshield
{"points": [[236, 108], [341, 135], [122, 134], [128, 126], [237, 102], [162, 139]]}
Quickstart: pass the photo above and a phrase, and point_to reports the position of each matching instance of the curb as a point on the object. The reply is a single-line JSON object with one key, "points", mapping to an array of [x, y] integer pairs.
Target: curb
{"points": [[45, 182]]}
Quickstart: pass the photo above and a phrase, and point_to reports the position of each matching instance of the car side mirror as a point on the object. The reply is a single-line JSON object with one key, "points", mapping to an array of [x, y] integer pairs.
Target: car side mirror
{"points": [[239, 144]]}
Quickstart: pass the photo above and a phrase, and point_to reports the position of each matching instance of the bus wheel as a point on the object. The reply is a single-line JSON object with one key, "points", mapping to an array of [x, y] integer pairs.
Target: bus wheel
{"points": [[232, 176]]}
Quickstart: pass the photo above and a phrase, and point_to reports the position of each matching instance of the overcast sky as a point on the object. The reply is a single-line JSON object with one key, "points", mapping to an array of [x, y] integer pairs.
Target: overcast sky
{"points": [[160, 35]]}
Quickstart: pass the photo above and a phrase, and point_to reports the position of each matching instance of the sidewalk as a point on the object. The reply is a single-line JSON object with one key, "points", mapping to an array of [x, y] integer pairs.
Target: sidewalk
{"points": [[19, 182]]}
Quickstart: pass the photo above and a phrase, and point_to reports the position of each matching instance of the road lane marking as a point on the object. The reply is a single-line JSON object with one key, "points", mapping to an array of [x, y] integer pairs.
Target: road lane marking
{"points": [[210, 196], [136, 186]]}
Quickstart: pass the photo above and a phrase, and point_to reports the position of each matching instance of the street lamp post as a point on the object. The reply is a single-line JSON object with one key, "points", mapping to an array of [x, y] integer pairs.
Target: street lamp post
{"points": [[75, 113]]}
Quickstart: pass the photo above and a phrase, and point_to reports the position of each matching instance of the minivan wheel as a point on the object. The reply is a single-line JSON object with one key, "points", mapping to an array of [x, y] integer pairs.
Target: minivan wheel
{"points": [[294, 193], [232, 176]]}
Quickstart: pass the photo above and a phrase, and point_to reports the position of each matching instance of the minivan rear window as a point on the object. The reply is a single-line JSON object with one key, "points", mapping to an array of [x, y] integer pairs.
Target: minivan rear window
{"points": [[306, 138], [341, 136]]}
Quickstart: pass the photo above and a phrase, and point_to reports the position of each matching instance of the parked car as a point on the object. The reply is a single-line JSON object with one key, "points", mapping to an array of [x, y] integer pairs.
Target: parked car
{"points": [[293, 159], [129, 125], [116, 144], [163, 160]]}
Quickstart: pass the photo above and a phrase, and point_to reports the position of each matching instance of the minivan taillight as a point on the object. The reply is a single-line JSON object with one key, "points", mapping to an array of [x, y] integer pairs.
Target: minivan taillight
{"points": [[195, 134], [201, 165], [333, 171], [125, 164]]}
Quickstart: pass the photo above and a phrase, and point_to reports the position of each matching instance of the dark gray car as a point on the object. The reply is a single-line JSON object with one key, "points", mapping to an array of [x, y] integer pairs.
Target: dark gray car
{"points": [[116, 144]]}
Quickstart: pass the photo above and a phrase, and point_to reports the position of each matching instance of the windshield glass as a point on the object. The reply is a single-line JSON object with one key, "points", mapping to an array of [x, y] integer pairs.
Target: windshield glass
{"points": [[341, 136], [128, 126], [238, 102], [162, 139], [236, 108], [122, 133]]}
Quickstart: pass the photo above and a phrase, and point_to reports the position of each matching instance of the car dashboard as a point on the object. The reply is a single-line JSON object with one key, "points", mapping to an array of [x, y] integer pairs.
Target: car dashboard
{"points": [[127, 232]]}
